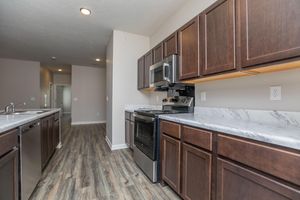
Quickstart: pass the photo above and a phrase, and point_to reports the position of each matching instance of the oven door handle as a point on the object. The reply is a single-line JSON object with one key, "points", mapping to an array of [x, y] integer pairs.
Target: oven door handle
{"points": [[144, 118]]}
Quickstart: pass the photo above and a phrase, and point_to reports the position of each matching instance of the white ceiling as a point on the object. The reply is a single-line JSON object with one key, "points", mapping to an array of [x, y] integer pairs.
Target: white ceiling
{"points": [[39, 29]]}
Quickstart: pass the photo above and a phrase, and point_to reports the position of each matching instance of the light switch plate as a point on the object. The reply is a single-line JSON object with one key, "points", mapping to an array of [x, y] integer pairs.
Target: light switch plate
{"points": [[275, 93], [203, 96]]}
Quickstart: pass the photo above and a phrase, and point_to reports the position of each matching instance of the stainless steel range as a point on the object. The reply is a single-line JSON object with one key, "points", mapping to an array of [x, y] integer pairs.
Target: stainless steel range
{"points": [[146, 132]]}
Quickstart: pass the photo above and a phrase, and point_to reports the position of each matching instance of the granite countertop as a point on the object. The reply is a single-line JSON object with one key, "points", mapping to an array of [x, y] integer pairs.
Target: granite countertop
{"points": [[133, 107], [8, 122], [286, 132]]}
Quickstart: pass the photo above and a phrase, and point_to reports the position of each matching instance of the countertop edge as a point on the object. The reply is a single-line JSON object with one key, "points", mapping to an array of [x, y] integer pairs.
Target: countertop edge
{"points": [[28, 119]]}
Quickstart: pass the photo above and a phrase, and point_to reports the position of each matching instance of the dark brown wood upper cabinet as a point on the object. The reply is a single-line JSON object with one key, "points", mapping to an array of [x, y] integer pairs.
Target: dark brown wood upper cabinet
{"points": [[171, 150], [196, 173], [141, 71], [238, 183], [148, 63], [158, 53], [269, 31], [189, 50], [170, 45], [218, 37]]}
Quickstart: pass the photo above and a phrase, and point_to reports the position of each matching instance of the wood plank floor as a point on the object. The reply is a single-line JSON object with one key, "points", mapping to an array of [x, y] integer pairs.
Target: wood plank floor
{"points": [[84, 168]]}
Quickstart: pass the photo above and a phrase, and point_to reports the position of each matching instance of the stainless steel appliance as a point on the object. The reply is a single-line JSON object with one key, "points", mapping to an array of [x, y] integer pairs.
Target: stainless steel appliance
{"points": [[146, 131], [30, 158], [164, 73]]}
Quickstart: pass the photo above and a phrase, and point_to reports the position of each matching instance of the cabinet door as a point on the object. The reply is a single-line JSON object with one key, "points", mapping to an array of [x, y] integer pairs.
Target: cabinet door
{"points": [[170, 45], [56, 133], [196, 173], [269, 30], [9, 176], [218, 37], [141, 69], [148, 63], [127, 132], [238, 183], [44, 141], [158, 53], [189, 50], [50, 136], [171, 162]]}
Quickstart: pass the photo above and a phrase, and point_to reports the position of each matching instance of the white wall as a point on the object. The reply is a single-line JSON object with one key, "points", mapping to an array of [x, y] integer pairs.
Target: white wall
{"points": [[189, 10], [253, 92], [62, 79], [19, 83], [88, 94], [109, 88], [127, 48]]}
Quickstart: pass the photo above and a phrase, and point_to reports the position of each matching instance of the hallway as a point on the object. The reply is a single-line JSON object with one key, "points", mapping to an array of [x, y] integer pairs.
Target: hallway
{"points": [[85, 168]]}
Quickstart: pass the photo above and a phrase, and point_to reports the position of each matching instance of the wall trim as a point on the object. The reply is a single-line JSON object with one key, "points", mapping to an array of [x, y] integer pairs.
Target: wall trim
{"points": [[88, 122], [115, 146]]}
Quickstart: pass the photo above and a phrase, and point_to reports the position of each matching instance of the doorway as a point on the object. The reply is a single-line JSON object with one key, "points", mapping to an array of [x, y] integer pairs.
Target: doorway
{"points": [[62, 98]]}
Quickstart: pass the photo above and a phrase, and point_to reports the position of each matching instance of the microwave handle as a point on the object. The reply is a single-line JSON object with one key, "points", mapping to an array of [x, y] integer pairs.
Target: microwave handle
{"points": [[165, 65]]}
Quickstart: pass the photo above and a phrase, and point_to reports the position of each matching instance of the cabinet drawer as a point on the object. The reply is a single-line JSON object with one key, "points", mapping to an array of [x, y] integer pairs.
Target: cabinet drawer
{"points": [[277, 162], [170, 128], [197, 137], [8, 140]]}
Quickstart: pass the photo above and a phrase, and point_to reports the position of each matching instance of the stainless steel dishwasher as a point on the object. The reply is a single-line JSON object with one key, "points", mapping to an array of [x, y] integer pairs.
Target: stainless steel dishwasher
{"points": [[30, 157]]}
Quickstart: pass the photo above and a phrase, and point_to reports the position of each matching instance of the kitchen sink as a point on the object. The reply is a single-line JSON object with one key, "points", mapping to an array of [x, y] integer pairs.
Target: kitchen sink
{"points": [[25, 112]]}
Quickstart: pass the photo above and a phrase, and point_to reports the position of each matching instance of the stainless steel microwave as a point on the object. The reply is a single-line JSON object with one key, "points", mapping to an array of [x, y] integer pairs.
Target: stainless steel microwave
{"points": [[164, 73]]}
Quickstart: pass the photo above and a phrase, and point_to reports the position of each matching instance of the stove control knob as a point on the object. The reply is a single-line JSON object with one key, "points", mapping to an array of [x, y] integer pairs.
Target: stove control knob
{"points": [[174, 100]]}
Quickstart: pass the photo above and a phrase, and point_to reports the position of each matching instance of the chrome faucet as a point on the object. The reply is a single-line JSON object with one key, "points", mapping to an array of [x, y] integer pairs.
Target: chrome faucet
{"points": [[10, 108]]}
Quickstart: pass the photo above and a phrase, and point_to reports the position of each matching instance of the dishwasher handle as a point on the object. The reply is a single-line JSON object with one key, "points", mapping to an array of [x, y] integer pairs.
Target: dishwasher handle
{"points": [[25, 129]]}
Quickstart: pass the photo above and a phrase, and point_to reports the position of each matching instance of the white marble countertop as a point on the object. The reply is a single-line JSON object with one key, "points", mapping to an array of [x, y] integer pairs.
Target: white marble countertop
{"points": [[287, 135], [8, 122]]}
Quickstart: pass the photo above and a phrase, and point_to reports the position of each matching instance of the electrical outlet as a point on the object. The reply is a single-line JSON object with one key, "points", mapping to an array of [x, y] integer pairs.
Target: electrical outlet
{"points": [[275, 93], [203, 96]]}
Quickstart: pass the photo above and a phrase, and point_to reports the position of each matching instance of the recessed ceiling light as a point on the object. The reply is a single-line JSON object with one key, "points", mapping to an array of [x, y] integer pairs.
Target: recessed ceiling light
{"points": [[60, 70], [98, 59], [53, 58], [85, 11]]}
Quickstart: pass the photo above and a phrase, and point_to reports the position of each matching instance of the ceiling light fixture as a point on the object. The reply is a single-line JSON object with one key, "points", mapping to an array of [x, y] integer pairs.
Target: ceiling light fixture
{"points": [[98, 59], [85, 11], [60, 70], [53, 58]]}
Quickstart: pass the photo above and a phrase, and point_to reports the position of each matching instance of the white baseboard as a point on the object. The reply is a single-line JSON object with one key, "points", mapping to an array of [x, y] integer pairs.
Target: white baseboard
{"points": [[88, 122], [116, 146]]}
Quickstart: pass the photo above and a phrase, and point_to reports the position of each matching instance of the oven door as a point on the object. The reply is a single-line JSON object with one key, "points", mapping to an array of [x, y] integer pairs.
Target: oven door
{"points": [[145, 135]]}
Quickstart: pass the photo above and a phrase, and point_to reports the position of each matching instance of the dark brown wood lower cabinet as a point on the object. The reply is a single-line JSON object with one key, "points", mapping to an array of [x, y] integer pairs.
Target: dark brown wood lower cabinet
{"points": [[9, 176], [49, 137], [56, 133], [196, 173], [171, 162], [238, 183]]}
